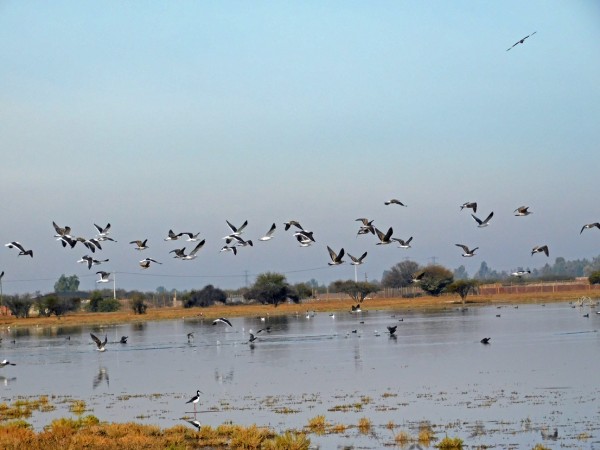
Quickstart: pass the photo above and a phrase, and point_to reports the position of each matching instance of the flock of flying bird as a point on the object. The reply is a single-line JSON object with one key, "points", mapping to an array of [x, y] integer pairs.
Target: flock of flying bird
{"points": [[234, 240]]}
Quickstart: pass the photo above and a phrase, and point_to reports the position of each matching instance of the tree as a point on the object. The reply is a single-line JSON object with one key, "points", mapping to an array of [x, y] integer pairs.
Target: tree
{"points": [[435, 279], [208, 296], [303, 290], [53, 304], [67, 284], [100, 303], [356, 290], [594, 277], [399, 275], [19, 306], [271, 288], [95, 298], [462, 288], [461, 273]]}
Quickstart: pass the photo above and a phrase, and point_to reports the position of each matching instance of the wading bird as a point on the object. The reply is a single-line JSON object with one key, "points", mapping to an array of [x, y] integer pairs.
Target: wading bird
{"points": [[195, 399], [6, 363]]}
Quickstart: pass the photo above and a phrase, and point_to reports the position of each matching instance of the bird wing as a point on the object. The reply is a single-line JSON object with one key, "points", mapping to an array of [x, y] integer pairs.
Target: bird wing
{"points": [[198, 247], [241, 228], [476, 219], [96, 340], [340, 255], [464, 247], [389, 233], [332, 254]]}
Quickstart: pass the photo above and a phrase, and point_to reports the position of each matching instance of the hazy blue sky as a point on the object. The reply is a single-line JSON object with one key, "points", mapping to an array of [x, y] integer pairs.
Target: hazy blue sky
{"points": [[159, 115]]}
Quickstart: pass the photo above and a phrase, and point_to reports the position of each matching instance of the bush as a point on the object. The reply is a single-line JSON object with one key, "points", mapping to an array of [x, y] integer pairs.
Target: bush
{"points": [[435, 279], [53, 304], [205, 297], [19, 306], [109, 305], [594, 277], [137, 304]]}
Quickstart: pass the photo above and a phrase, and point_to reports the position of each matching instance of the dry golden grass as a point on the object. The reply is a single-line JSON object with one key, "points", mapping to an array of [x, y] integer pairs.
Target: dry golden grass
{"points": [[317, 425], [402, 438], [213, 312], [23, 408], [364, 425], [87, 432]]}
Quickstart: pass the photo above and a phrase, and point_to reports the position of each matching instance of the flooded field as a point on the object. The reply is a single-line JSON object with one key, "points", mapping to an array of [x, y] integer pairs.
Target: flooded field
{"points": [[343, 374]]}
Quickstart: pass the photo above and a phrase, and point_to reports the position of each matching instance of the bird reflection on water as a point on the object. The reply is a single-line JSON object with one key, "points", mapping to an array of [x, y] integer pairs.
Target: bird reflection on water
{"points": [[100, 377]]}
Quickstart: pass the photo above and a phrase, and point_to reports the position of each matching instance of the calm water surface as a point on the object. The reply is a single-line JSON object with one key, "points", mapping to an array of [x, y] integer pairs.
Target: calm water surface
{"points": [[540, 373]]}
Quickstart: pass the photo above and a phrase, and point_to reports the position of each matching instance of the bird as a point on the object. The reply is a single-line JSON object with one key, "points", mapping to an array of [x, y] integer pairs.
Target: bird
{"points": [[394, 201], [355, 308], [22, 251], [520, 273], [252, 337], [539, 249], [191, 236], [103, 277], [483, 223], [61, 231], [91, 261], [294, 223], [141, 245], [102, 231], [392, 329], [195, 399], [145, 263], [1, 275], [357, 261], [269, 234], [5, 362], [305, 234], [180, 253], [384, 238], [171, 236], [590, 225], [468, 252], [222, 320], [486, 340], [366, 227], [91, 244], [67, 240], [123, 340], [417, 277], [520, 41], [226, 248], [403, 244], [240, 241], [336, 258], [236, 231], [472, 205], [522, 211], [190, 336], [303, 240], [101, 345]]}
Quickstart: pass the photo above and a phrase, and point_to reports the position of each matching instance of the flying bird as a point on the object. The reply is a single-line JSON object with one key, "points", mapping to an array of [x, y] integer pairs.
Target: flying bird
{"points": [[384, 238], [222, 320], [145, 263], [366, 227], [191, 236], [521, 41], [467, 252], [483, 223], [180, 253], [22, 251], [472, 205], [61, 231], [91, 261], [336, 259], [5, 362], [236, 231], [403, 244], [589, 225], [357, 261], [226, 248], [392, 329], [303, 240], [100, 344], [294, 223], [103, 277], [522, 211], [140, 245], [486, 340], [539, 249], [520, 273], [269, 234], [417, 277], [171, 236], [394, 201], [103, 231], [240, 241]]}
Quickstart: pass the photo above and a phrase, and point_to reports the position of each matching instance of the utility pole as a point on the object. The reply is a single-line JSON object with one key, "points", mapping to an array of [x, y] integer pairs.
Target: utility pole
{"points": [[114, 285]]}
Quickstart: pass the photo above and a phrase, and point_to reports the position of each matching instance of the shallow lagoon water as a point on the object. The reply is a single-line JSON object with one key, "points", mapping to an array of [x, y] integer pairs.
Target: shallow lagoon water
{"points": [[538, 374]]}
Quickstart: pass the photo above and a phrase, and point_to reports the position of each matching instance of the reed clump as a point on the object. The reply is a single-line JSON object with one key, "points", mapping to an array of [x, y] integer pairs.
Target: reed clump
{"points": [[449, 443], [364, 425], [317, 425]]}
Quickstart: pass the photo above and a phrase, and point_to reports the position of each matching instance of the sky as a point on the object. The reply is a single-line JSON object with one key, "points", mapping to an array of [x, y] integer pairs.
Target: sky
{"points": [[181, 115]]}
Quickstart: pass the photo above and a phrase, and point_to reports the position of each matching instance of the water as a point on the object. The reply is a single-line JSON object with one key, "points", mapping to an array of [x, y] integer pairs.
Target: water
{"points": [[538, 374]]}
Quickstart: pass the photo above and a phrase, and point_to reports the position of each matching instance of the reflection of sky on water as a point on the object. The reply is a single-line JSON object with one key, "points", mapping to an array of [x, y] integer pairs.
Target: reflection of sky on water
{"points": [[435, 369]]}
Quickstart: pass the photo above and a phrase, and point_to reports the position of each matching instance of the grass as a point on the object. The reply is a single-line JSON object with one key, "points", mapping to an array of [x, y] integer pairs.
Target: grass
{"points": [[89, 433], [364, 425], [449, 443], [317, 425], [24, 408]]}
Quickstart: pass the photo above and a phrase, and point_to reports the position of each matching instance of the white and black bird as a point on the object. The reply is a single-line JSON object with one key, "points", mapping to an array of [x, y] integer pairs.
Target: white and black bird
{"points": [[171, 236], [140, 245], [227, 248], [91, 244], [295, 223], [417, 277], [61, 231], [195, 423], [91, 261], [357, 261], [402, 243], [100, 344], [303, 240], [522, 211], [180, 252], [236, 231], [103, 231], [336, 258], [305, 234], [222, 320], [521, 41], [467, 252], [195, 399], [471, 205], [520, 273], [145, 263], [18, 246], [483, 223], [394, 201], [269, 235], [239, 241], [589, 225], [104, 277], [384, 238], [540, 249], [6, 362], [67, 240], [191, 237]]}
